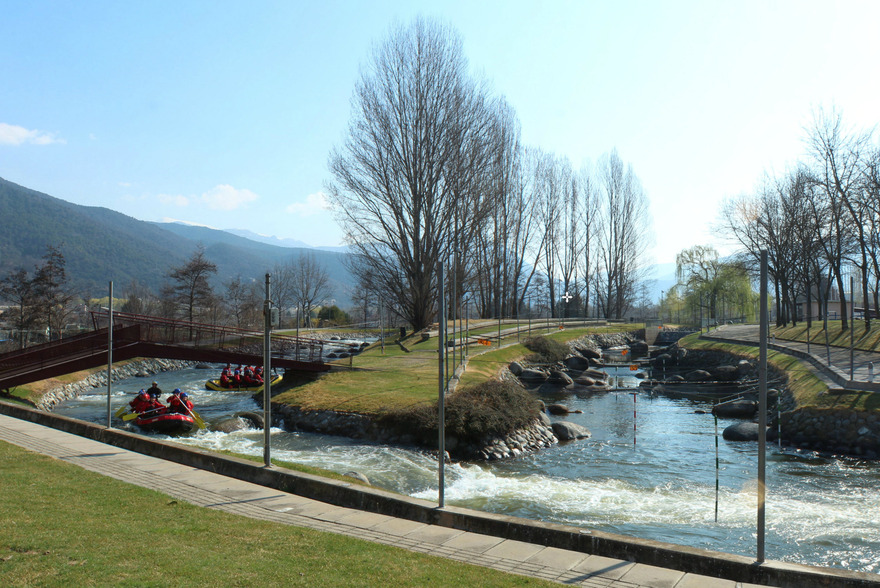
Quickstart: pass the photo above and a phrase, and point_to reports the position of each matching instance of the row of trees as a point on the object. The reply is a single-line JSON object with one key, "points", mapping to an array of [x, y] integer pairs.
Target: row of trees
{"points": [[819, 222], [43, 301], [301, 283], [433, 170]]}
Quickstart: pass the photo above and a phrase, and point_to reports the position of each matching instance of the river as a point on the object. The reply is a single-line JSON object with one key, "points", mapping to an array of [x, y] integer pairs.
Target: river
{"points": [[648, 471]]}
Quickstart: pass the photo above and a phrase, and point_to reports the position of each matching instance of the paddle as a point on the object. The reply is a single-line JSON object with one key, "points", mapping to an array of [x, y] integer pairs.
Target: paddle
{"points": [[134, 415], [194, 415], [121, 411]]}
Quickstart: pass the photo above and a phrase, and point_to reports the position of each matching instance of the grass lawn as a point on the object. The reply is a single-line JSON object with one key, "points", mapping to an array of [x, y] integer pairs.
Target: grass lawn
{"points": [[65, 526], [867, 341], [805, 387], [400, 378], [32, 392]]}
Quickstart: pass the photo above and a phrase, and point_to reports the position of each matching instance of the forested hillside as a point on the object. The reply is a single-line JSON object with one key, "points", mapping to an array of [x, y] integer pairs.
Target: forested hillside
{"points": [[100, 245]]}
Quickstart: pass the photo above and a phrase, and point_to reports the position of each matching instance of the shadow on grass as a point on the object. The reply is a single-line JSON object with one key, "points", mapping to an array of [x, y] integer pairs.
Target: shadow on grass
{"points": [[854, 400]]}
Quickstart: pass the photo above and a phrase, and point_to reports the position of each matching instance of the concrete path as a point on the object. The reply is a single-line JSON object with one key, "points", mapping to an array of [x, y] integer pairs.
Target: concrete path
{"points": [[865, 374], [210, 490]]}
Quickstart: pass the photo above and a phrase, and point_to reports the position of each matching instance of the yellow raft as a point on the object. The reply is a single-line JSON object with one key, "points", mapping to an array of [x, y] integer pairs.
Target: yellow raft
{"points": [[215, 385]]}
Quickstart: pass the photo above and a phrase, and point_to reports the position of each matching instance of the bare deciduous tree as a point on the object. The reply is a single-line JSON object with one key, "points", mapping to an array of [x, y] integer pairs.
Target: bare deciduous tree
{"points": [[310, 284], [406, 173], [190, 289], [622, 235]]}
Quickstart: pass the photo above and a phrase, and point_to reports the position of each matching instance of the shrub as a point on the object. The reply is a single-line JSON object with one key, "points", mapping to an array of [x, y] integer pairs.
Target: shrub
{"points": [[493, 408], [545, 350]]}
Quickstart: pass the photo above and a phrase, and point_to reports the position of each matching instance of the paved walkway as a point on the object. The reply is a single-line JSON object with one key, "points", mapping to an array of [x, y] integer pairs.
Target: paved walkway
{"points": [[211, 490], [837, 373]]}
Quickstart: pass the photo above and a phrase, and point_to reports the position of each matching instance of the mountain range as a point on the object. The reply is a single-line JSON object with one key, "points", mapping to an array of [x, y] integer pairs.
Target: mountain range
{"points": [[100, 245]]}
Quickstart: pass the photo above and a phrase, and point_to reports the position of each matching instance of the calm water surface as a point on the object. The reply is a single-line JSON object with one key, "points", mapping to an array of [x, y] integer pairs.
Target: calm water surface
{"points": [[655, 482]]}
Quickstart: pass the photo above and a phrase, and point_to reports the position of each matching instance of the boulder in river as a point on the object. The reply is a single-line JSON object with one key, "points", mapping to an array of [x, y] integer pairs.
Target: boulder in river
{"points": [[698, 376], [596, 374], [745, 409], [558, 409], [588, 352], [560, 378], [744, 368], [567, 431], [533, 375], [515, 368], [725, 373], [576, 362], [662, 359], [638, 348], [746, 431]]}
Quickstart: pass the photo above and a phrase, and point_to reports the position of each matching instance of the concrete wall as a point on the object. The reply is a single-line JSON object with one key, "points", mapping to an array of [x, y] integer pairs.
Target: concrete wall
{"points": [[686, 559]]}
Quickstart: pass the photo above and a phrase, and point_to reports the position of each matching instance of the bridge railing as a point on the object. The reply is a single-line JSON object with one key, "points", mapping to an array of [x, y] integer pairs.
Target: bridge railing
{"points": [[178, 332]]}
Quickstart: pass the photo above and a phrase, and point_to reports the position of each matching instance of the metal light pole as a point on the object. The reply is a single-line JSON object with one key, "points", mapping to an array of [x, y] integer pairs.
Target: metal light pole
{"points": [[441, 399], [825, 326], [267, 376], [852, 328], [762, 408], [109, 354]]}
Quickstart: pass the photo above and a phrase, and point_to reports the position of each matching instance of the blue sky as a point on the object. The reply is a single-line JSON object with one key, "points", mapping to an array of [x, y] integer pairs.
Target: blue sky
{"points": [[224, 113]]}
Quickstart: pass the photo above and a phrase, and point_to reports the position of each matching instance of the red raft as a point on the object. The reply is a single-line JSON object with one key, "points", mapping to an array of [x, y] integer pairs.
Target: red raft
{"points": [[169, 423]]}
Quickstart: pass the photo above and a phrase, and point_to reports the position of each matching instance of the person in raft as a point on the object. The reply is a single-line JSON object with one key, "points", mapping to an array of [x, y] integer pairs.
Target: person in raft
{"points": [[225, 380], [156, 405], [141, 402], [154, 390], [179, 402]]}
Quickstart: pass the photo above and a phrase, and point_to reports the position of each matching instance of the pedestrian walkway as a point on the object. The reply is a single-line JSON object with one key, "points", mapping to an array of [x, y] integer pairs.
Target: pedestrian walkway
{"points": [[837, 366], [210, 490]]}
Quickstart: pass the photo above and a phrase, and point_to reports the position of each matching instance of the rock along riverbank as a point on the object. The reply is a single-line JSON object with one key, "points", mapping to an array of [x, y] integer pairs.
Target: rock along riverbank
{"points": [[141, 368]]}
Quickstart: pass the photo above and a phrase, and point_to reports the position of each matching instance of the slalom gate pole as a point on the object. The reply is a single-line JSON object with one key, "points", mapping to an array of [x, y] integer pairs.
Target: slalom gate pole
{"points": [[634, 417], [716, 467]]}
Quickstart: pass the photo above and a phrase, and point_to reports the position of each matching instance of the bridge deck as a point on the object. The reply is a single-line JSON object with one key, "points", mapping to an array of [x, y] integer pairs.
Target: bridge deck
{"points": [[136, 336]]}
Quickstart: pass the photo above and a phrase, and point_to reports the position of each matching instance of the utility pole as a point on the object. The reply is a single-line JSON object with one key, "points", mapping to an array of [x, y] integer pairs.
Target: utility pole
{"points": [[267, 376]]}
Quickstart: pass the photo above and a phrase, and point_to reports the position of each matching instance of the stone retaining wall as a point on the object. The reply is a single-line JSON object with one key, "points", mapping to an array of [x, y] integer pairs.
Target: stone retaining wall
{"points": [[145, 367], [833, 430], [536, 436]]}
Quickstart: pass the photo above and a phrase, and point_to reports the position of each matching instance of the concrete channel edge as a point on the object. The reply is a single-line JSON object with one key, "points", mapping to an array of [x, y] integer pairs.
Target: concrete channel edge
{"points": [[667, 555]]}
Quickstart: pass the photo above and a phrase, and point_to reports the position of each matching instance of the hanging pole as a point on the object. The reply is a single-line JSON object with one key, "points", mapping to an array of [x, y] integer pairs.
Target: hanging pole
{"points": [[634, 418], [441, 399], [267, 376], [762, 408], [716, 465], [109, 355]]}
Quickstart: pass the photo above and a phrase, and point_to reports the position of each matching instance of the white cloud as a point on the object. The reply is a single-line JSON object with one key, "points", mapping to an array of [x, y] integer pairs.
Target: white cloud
{"points": [[175, 199], [225, 197], [314, 204], [15, 135], [168, 219]]}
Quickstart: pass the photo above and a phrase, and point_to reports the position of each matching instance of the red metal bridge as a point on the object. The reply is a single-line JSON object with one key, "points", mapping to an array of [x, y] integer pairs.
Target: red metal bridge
{"points": [[154, 337]]}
